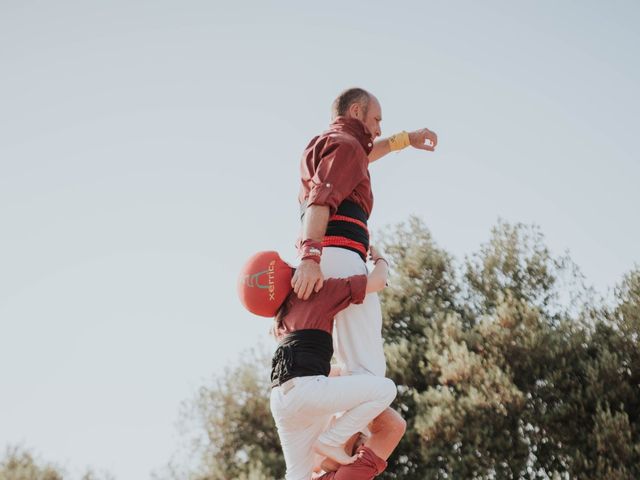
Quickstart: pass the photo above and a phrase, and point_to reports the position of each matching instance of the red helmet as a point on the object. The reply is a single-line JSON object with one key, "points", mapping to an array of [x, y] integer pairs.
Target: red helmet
{"points": [[264, 283]]}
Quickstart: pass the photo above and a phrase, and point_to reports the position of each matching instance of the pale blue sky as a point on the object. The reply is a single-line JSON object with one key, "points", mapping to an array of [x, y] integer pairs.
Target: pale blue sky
{"points": [[147, 148]]}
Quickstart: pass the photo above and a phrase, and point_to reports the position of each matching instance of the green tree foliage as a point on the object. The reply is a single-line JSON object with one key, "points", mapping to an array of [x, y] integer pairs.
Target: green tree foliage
{"points": [[506, 369], [231, 432], [19, 464]]}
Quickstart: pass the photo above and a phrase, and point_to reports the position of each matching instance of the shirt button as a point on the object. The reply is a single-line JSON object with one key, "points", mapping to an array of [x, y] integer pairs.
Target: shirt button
{"points": [[328, 184], [369, 145]]}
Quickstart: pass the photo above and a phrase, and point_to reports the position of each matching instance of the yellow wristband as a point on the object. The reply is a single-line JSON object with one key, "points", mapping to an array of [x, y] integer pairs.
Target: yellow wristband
{"points": [[399, 141]]}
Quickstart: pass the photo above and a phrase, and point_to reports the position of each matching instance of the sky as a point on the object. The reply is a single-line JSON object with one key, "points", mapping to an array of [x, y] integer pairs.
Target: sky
{"points": [[147, 148]]}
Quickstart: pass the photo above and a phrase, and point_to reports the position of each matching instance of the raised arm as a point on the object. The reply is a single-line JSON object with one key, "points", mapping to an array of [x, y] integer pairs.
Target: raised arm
{"points": [[423, 139]]}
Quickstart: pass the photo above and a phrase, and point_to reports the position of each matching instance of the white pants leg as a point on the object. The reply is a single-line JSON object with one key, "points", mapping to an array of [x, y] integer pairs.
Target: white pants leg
{"points": [[375, 395], [357, 335], [304, 412], [297, 431]]}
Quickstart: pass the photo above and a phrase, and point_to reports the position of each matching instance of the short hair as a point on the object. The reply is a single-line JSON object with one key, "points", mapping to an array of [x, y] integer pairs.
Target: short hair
{"points": [[347, 98]]}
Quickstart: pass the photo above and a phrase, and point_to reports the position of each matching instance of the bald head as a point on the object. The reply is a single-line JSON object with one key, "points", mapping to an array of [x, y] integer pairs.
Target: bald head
{"points": [[348, 98], [360, 104]]}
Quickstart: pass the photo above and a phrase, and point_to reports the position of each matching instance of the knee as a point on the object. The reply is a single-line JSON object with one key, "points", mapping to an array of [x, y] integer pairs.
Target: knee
{"points": [[399, 425], [390, 422], [395, 424]]}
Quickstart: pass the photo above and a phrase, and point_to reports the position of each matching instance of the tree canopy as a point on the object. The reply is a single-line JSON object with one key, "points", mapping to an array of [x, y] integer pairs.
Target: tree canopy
{"points": [[507, 367]]}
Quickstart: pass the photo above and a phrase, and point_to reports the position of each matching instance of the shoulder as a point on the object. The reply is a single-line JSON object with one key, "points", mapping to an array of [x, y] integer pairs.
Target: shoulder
{"points": [[343, 140], [345, 149], [333, 139]]}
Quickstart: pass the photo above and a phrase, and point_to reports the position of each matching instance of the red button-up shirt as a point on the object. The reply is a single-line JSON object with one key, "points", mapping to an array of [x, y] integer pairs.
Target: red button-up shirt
{"points": [[319, 310], [335, 167]]}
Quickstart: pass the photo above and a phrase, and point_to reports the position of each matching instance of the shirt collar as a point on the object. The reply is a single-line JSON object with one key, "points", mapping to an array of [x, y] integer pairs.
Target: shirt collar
{"points": [[355, 128]]}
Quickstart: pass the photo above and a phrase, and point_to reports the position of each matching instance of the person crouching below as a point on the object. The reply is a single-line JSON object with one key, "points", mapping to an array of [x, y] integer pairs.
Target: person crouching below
{"points": [[304, 397]]}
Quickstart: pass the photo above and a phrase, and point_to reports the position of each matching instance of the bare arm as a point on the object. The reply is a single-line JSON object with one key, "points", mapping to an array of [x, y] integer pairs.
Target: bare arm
{"points": [[377, 279], [379, 150], [308, 276], [423, 139], [316, 218]]}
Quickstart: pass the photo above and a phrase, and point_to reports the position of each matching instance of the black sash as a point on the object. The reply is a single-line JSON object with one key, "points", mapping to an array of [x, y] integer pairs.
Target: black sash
{"points": [[353, 228], [303, 353]]}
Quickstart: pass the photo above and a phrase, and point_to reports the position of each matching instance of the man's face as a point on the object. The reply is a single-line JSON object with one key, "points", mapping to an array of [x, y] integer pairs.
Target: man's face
{"points": [[373, 117]]}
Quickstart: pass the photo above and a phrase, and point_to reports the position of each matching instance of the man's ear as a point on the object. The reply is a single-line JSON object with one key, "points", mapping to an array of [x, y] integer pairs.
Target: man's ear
{"points": [[355, 110]]}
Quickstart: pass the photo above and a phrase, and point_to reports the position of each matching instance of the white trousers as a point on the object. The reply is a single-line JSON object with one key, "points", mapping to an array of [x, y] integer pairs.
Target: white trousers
{"points": [[357, 335], [303, 412]]}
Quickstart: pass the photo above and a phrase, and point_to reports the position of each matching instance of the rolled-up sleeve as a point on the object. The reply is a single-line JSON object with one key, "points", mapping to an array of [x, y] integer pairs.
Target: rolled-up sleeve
{"points": [[338, 293], [341, 168], [358, 285]]}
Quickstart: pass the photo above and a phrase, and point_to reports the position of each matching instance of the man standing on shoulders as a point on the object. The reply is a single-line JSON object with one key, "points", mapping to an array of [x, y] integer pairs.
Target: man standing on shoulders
{"points": [[336, 201]]}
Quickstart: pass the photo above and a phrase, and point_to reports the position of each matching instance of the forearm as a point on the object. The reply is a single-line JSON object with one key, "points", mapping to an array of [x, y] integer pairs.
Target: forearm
{"points": [[308, 276], [423, 139], [377, 279], [316, 218], [380, 148]]}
